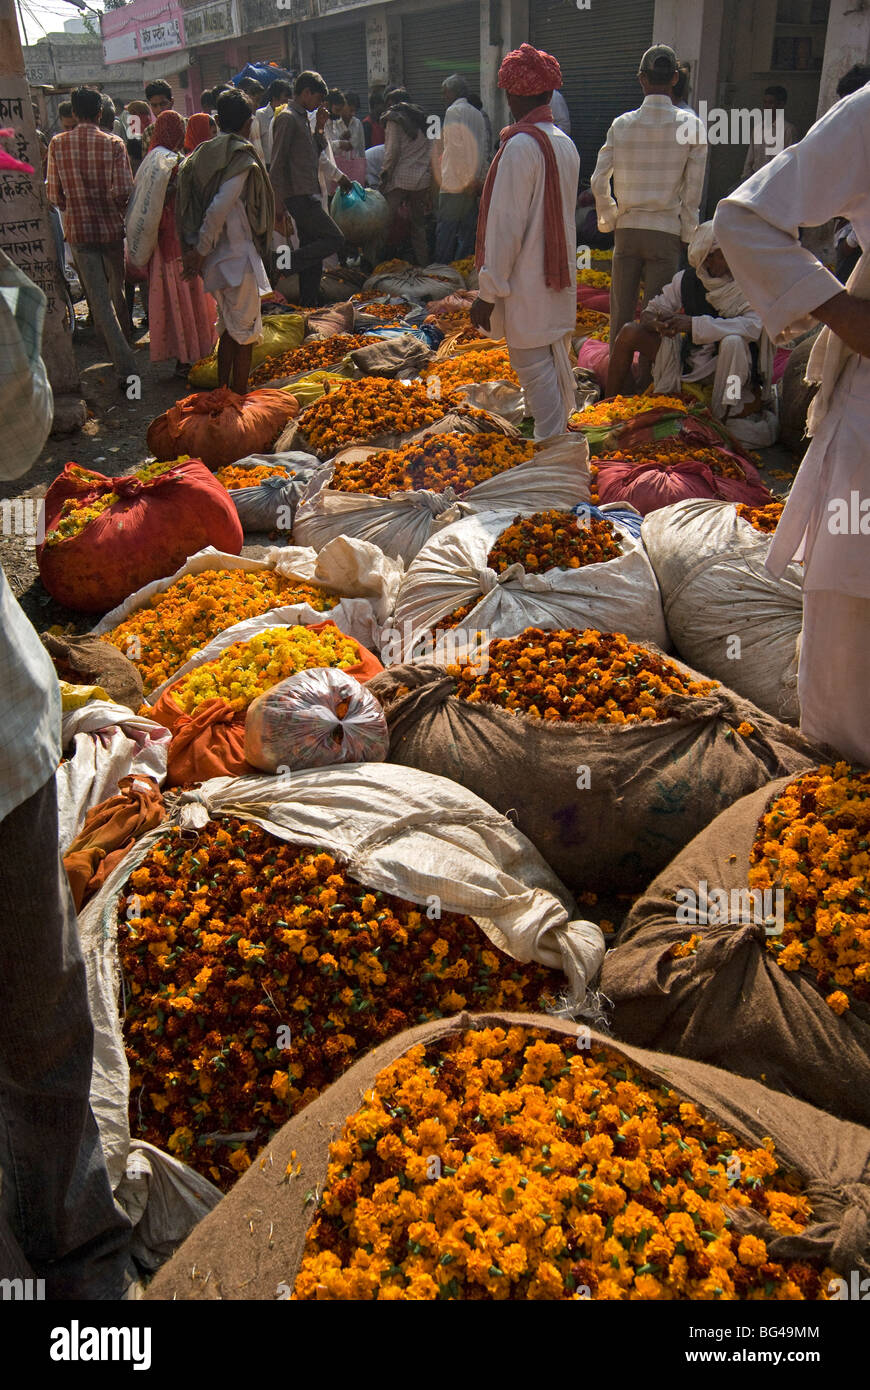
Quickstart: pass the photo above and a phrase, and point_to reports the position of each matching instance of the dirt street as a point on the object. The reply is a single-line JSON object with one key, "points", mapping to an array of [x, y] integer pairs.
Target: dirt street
{"points": [[112, 441]]}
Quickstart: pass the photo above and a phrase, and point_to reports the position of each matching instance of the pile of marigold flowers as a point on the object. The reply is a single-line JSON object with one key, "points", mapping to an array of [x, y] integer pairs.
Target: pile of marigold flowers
{"points": [[310, 357], [765, 519], [554, 540], [437, 462], [256, 971], [507, 1163], [167, 630], [465, 266], [232, 477], [599, 279], [617, 408], [244, 670], [577, 677], [371, 407], [75, 513], [485, 364], [813, 844], [388, 314], [665, 452], [592, 324]]}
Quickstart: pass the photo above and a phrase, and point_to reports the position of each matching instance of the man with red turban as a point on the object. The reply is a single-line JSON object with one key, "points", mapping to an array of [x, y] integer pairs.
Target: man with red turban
{"points": [[527, 241]]}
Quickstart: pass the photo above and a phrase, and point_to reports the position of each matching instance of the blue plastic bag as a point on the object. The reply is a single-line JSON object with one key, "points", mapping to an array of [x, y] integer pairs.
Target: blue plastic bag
{"points": [[262, 72]]}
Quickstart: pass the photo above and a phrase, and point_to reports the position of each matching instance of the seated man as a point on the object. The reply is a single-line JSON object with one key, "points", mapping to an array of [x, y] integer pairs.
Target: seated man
{"points": [[700, 328]]}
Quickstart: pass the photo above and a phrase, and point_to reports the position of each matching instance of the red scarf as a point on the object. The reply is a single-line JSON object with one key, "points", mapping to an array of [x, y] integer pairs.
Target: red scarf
{"points": [[557, 272]]}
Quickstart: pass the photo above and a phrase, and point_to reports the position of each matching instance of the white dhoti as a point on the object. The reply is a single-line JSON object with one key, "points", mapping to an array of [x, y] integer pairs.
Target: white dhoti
{"points": [[729, 363], [547, 379], [239, 311], [834, 672]]}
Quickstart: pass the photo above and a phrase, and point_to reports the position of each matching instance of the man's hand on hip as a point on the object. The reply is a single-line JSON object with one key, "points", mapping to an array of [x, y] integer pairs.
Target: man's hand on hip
{"points": [[481, 314]]}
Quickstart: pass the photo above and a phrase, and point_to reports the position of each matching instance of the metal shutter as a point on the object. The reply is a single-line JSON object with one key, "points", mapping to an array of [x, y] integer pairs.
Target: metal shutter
{"points": [[340, 55], [434, 45], [599, 51], [214, 67]]}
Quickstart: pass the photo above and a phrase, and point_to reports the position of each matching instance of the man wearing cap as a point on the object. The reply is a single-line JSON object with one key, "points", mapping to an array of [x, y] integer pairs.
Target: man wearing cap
{"points": [[656, 157], [527, 241]]}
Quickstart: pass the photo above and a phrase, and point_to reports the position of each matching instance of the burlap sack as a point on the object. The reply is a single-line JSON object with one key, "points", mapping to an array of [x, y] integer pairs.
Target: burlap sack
{"points": [[251, 1246], [730, 1004], [325, 323], [607, 805], [88, 661], [402, 356]]}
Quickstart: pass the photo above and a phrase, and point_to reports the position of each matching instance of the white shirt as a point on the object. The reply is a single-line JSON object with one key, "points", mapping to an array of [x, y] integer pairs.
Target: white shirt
{"points": [[707, 329], [463, 158], [526, 312], [826, 175], [263, 125], [759, 154], [374, 165], [336, 131], [561, 114], [225, 240], [656, 157]]}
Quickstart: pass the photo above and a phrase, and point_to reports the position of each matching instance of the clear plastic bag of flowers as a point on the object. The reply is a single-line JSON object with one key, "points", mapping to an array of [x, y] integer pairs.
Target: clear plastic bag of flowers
{"points": [[315, 718]]}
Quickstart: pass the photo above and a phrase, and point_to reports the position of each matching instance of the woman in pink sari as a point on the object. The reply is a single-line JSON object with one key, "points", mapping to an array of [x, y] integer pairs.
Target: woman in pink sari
{"points": [[181, 315]]}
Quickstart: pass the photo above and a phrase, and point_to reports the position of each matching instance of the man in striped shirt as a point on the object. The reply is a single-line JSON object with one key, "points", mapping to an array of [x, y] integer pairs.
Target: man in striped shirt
{"points": [[89, 179], [656, 157]]}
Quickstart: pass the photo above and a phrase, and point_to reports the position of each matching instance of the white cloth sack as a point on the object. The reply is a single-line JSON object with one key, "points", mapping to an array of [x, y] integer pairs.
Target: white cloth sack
{"points": [[710, 565], [394, 829], [164, 1199], [145, 208], [292, 615], [620, 595], [106, 742], [367, 580], [401, 524], [416, 283]]}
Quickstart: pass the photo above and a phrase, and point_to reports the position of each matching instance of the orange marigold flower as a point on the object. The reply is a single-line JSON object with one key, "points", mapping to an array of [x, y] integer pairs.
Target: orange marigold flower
{"points": [[516, 1191], [233, 1030], [811, 846], [608, 678]]}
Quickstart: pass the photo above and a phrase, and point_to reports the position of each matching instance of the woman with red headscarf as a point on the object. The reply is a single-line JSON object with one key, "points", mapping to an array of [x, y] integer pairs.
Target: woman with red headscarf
{"points": [[181, 315], [200, 128]]}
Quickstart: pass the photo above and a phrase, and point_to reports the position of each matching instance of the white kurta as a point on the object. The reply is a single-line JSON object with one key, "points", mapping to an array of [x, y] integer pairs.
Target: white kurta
{"points": [[526, 312], [232, 269], [826, 175]]}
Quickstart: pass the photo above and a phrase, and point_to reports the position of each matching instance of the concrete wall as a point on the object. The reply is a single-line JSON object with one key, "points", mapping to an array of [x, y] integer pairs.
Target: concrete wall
{"points": [[848, 42]]}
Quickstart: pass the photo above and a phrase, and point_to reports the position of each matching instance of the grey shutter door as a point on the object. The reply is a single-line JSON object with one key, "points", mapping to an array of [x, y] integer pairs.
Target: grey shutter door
{"points": [[340, 55], [214, 68], [435, 45], [599, 51]]}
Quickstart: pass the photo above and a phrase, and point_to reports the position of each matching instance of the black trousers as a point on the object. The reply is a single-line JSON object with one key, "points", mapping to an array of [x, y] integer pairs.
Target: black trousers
{"points": [[319, 237]]}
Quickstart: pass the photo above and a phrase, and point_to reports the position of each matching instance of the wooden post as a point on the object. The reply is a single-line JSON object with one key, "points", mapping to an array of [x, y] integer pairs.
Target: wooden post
{"points": [[25, 229]]}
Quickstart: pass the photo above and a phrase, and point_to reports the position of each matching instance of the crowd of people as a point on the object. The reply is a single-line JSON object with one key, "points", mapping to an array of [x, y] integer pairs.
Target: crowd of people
{"points": [[117, 181]]}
